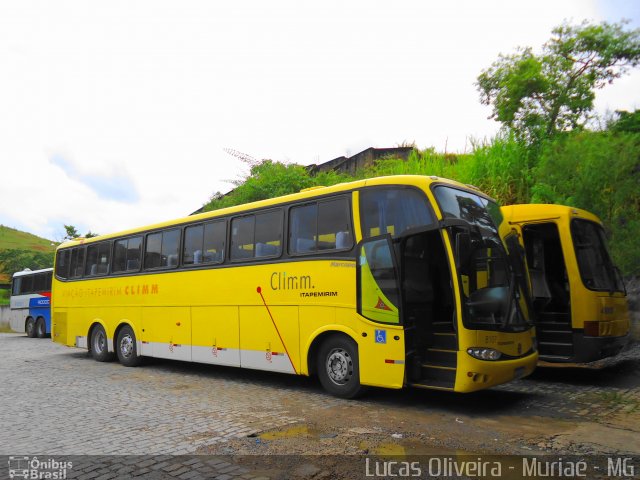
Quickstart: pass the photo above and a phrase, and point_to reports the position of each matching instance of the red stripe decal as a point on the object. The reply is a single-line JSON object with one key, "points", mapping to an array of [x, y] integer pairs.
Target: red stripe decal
{"points": [[259, 290]]}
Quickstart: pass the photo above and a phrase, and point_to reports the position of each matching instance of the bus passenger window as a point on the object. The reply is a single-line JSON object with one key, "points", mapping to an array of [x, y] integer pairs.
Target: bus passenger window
{"points": [[302, 229], [204, 243], [215, 234], [268, 239], [97, 259], [334, 225], [192, 252], [27, 284], [392, 210], [126, 255], [40, 282], [242, 230], [76, 265], [162, 249], [320, 226]]}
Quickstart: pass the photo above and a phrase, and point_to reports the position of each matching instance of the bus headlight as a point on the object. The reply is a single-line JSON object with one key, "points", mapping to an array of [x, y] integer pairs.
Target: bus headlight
{"points": [[484, 353]]}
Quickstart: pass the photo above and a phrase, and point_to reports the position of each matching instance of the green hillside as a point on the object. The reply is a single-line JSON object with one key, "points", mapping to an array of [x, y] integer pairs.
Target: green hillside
{"points": [[27, 250], [11, 238]]}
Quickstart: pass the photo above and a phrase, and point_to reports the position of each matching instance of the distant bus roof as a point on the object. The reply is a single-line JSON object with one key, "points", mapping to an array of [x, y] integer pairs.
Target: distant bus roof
{"points": [[31, 272]]}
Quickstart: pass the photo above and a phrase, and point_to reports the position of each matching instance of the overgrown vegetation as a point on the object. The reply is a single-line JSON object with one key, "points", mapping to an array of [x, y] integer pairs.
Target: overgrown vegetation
{"points": [[544, 153], [4, 297], [267, 179], [17, 259], [20, 250]]}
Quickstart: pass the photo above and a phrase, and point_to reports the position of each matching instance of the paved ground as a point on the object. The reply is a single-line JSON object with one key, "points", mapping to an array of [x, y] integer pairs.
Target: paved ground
{"points": [[58, 401]]}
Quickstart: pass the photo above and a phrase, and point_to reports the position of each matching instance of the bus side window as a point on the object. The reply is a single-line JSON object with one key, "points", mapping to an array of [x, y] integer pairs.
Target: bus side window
{"points": [[302, 228], [40, 282], [324, 225], [17, 283], [193, 240], [215, 234], [126, 255], [62, 264], [268, 235], [334, 225], [76, 264], [162, 249], [26, 285], [392, 210], [242, 236], [98, 258]]}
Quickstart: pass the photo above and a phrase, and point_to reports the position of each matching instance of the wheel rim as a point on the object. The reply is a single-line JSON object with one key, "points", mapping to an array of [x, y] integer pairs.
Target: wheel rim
{"points": [[99, 342], [339, 366], [30, 327], [126, 346], [40, 329]]}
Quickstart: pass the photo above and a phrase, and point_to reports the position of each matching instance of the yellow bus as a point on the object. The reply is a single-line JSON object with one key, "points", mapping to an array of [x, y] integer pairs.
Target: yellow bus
{"points": [[579, 298], [389, 282]]}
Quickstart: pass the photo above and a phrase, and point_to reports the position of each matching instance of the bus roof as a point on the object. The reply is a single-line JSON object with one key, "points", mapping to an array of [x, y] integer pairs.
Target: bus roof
{"points": [[26, 271], [537, 212], [418, 180]]}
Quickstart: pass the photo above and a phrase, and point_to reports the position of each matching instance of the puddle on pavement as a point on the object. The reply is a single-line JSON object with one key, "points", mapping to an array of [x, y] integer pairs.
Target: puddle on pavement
{"points": [[292, 432]]}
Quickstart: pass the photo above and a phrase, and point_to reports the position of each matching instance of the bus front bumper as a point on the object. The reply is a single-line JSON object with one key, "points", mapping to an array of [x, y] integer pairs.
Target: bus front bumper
{"points": [[474, 374], [589, 349]]}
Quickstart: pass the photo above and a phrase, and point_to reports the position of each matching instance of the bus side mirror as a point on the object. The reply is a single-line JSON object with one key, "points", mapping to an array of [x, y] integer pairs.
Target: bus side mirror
{"points": [[464, 251]]}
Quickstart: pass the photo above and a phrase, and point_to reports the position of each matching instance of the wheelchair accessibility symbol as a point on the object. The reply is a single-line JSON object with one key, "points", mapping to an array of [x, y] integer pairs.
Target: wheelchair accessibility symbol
{"points": [[381, 336]]}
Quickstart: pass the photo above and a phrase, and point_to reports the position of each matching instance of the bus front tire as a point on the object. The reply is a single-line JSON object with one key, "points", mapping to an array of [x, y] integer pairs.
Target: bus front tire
{"points": [[126, 347], [338, 368], [30, 327], [98, 345], [41, 329]]}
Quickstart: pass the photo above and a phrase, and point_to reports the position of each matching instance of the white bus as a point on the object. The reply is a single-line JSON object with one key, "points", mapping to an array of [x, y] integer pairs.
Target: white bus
{"points": [[30, 302]]}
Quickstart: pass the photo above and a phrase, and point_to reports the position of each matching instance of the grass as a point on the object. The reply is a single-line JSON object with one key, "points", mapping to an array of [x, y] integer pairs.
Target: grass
{"points": [[5, 328], [618, 398], [4, 296], [11, 238]]}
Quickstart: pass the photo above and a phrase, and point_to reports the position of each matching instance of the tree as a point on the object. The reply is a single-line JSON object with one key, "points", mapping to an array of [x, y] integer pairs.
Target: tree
{"points": [[17, 259], [540, 95], [625, 122], [71, 233]]}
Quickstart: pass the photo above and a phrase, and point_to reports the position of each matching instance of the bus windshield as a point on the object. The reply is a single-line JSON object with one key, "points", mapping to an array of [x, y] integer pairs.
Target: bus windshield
{"points": [[596, 268], [488, 282]]}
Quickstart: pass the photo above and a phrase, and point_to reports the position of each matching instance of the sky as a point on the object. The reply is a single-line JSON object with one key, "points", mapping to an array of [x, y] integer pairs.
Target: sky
{"points": [[119, 114]]}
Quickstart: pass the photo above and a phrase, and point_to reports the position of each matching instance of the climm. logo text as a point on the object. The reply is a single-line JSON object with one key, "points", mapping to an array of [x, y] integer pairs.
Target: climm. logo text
{"points": [[282, 281]]}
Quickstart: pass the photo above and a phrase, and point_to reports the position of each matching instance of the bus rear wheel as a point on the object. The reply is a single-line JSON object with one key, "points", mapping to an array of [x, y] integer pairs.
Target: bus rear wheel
{"points": [[126, 347], [338, 367], [30, 327], [98, 345], [41, 329]]}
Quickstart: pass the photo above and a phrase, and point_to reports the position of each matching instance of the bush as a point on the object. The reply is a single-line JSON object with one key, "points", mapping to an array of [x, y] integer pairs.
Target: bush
{"points": [[599, 172]]}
